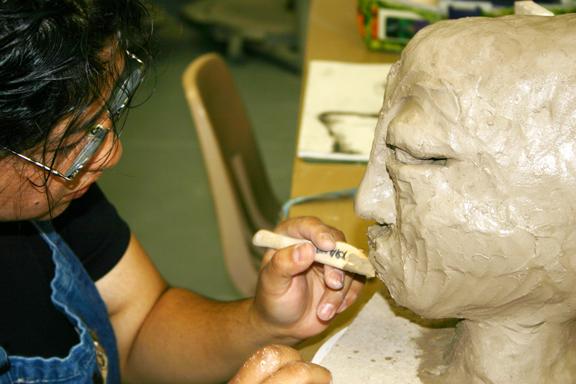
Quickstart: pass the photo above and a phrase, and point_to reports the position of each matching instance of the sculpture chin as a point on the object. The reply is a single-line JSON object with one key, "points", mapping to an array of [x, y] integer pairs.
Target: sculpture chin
{"points": [[416, 281], [420, 282]]}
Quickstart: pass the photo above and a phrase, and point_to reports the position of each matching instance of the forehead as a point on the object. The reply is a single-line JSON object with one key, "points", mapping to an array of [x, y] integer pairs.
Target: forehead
{"points": [[484, 80], [481, 46]]}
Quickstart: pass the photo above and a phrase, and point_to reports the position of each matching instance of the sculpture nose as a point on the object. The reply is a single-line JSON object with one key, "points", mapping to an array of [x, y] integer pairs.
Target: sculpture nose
{"points": [[376, 198]]}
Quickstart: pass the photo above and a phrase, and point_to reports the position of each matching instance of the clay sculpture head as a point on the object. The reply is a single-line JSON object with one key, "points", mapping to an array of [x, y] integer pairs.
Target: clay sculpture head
{"points": [[472, 181]]}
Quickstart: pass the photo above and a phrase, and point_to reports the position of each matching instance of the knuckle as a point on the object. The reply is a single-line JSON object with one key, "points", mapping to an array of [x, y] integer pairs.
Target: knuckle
{"points": [[280, 262], [277, 261], [301, 369], [312, 219], [339, 234], [277, 355]]}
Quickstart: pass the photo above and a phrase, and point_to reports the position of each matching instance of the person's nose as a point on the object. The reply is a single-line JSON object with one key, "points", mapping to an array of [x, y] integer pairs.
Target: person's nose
{"points": [[376, 198]]}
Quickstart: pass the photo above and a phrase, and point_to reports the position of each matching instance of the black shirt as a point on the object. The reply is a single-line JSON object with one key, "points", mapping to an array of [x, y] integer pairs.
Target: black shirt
{"points": [[30, 325]]}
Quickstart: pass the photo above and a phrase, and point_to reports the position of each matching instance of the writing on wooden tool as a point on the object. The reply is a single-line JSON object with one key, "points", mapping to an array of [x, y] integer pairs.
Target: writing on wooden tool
{"points": [[335, 253]]}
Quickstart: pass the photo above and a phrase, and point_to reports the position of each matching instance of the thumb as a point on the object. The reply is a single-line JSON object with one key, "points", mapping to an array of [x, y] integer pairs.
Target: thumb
{"points": [[286, 263]]}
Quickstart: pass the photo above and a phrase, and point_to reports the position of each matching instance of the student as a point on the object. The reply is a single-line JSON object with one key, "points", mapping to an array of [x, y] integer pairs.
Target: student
{"points": [[81, 300]]}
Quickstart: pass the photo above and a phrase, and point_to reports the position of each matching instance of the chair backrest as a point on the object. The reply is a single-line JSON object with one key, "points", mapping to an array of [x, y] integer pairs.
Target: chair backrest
{"points": [[243, 197]]}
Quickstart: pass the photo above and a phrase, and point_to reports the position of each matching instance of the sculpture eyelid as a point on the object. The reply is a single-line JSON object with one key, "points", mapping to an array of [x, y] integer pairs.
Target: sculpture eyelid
{"points": [[406, 157]]}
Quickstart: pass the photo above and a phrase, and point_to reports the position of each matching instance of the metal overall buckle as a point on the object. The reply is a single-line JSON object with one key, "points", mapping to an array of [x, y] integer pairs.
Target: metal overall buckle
{"points": [[101, 360]]}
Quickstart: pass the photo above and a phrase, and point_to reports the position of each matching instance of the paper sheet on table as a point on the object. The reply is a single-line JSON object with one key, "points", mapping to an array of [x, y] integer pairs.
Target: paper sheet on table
{"points": [[341, 106], [379, 347]]}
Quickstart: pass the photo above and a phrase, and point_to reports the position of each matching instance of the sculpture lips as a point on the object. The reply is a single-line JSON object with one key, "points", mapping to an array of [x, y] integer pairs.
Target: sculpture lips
{"points": [[378, 233]]}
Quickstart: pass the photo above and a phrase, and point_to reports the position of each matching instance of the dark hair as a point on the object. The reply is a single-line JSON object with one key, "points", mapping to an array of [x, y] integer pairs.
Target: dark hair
{"points": [[51, 62]]}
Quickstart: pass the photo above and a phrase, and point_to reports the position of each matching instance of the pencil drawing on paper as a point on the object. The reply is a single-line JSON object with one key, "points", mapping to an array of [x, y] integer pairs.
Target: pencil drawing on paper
{"points": [[351, 132], [340, 110]]}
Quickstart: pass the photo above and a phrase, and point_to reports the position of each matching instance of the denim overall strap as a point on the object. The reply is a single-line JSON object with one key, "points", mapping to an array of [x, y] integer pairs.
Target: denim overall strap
{"points": [[75, 294]]}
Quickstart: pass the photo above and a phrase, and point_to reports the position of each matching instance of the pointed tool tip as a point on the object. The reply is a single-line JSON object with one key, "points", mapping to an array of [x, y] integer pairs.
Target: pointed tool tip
{"points": [[361, 265]]}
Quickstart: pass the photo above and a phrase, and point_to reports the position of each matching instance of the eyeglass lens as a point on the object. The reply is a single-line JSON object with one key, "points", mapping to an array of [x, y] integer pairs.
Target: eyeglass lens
{"points": [[95, 138], [133, 76], [118, 102], [127, 87]]}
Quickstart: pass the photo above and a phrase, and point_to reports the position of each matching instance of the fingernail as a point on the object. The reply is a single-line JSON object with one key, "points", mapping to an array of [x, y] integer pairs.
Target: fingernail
{"points": [[327, 236], [326, 312], [336, 279], [297, 254]]}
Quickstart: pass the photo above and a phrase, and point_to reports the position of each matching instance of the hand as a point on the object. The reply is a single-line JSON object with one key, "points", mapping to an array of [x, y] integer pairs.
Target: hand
{"points": [[296, 297], [278, 364]]}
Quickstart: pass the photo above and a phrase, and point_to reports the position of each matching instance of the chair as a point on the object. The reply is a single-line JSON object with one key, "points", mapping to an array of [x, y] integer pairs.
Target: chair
{"points": [[243, 198], [273, 27]]}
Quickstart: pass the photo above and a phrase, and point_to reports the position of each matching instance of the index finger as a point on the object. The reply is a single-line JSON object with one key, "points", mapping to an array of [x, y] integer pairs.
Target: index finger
{"points": [[323, 236]]}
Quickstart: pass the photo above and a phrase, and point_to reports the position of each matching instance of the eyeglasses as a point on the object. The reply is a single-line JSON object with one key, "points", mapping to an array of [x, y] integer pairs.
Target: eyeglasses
{"points": [[122, 93]]}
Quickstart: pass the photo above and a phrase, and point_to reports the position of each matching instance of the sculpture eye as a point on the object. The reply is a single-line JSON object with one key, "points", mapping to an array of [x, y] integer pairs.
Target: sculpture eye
{"points": [[405, 157]]}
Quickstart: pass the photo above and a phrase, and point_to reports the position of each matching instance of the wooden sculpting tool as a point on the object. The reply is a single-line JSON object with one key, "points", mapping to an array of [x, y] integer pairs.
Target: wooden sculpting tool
{"points": [[344, 256]]}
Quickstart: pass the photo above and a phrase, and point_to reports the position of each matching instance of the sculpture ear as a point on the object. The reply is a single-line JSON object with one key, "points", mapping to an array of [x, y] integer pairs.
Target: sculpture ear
{"points": [[529, 7]]}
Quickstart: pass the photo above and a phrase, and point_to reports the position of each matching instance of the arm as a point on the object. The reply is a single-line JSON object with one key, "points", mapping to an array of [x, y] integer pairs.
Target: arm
{"points": [[173, 335], [164, 332]]}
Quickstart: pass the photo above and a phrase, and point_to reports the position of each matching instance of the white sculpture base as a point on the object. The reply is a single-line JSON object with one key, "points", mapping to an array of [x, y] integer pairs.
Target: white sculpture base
{"points": [[384, 346]]}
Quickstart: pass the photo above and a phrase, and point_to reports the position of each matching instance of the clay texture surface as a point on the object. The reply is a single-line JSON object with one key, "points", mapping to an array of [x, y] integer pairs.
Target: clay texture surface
{"points": [[472, 181]]}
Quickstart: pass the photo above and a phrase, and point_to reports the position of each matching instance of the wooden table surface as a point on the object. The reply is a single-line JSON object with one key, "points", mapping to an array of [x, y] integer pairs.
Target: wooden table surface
{"points": [[333, 34]]}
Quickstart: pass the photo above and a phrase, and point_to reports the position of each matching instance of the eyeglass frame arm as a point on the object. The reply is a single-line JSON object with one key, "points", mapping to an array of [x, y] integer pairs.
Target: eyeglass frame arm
{"points": [[97, 135]]}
